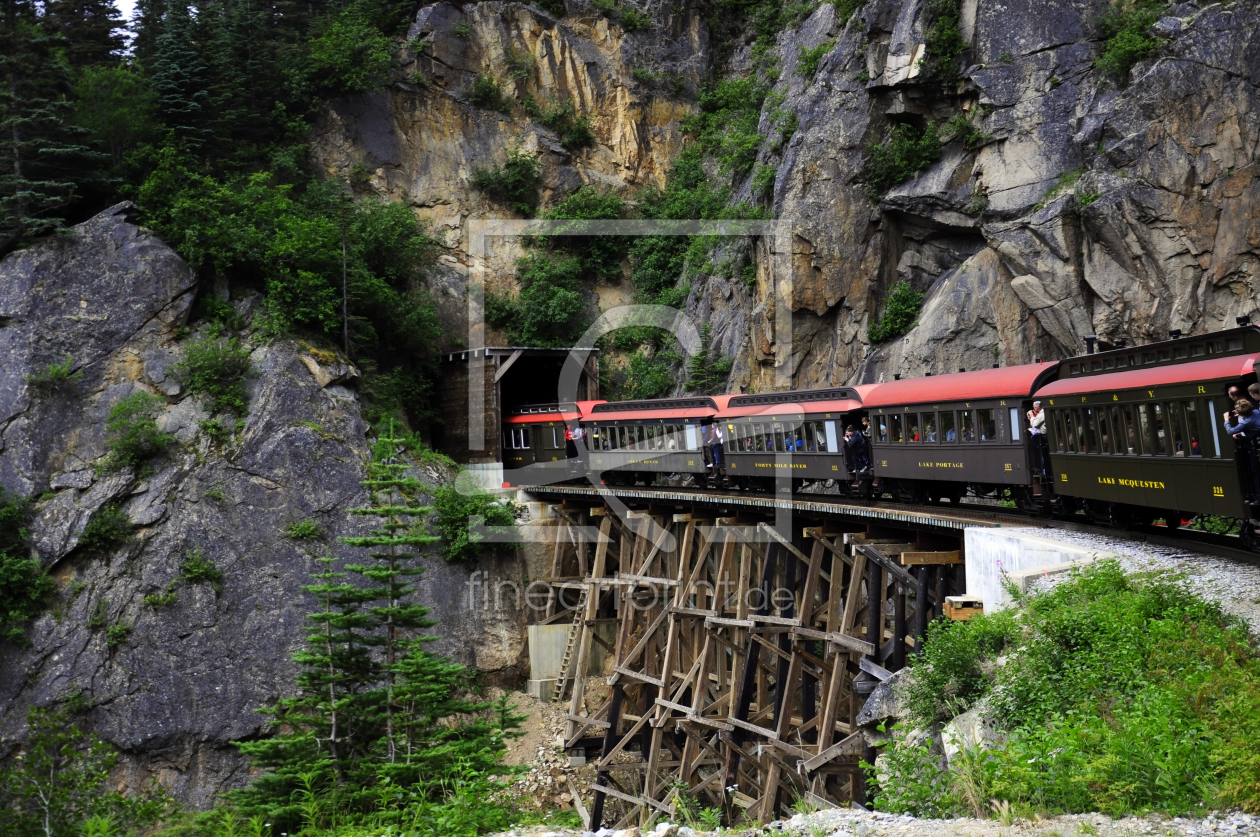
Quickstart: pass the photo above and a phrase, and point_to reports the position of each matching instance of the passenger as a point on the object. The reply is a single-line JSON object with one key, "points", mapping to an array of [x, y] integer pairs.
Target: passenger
{"points": [[857, 455], [1194, 447], [950, 435], [1036, 420], [1235, 392], [914, 434], [1246, 421], [1254, 392]]}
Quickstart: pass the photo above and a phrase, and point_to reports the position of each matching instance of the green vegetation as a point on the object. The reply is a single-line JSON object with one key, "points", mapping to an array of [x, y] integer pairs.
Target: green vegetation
{"points": [[166, 598], [763, 181], [304, 530], [58, 788], [132, 435], [108, 529], [549, 310], [520, 64], [901, 156], [55, 377], [726, 126], [1115, 693], [574, 131], [944, 45], [117, 634], [381, 734], [845, 9], [24, 586], [351, 54], [1125, 30], [1065, 183], [900, 310], [961, 127], [515, 183], [486, 91], [633, 20], [216, 368], [707, 371], [454, 508], [807, 60], [672, 83], [197, 567]]}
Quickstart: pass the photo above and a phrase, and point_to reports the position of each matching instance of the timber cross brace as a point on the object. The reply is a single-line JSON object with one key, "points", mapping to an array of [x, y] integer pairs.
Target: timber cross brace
{"points": [[714, 662]]}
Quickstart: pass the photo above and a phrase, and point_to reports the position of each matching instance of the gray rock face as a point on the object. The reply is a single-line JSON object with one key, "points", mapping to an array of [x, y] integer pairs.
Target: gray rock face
{"points": [[1079, 208], [190, 675]]}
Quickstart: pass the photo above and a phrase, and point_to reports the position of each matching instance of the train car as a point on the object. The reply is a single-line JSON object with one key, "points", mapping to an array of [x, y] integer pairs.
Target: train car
{"points": [[535, 446], [1136, 433], [780, 440], [637, 441], [940, 437]]}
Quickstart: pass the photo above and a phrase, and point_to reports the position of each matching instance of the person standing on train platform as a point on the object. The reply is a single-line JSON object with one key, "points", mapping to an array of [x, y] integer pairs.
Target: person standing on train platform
{"points": [[575, 446], [1243, 423], [1037, 433], [857, 457], [716, 439]]}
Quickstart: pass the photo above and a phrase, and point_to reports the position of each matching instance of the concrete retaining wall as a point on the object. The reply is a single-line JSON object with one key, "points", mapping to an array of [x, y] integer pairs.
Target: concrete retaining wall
{"points": [[1020, 557]]}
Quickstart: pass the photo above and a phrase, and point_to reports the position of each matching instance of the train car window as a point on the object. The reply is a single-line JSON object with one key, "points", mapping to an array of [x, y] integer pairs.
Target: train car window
{"points": [[1148, 357], [832, 442], [897, 434], [1121, 363], [912, 428], [1116, 444], [1196, 351], [649, 443], [986, 425], [507, 439], [1015, 424], [929, 427], [759, 438], [881, 425], [1211, 419], [1056, 420], [623, 438], [1160, 437], [1179, 352], [820, 436], [1192, 428], [948, 434], [810, 444], [1144, 428], [1176, 438], [1070, 433], [524, 442], [779, 446], [798, 439], [1106, 431], [1131, 445], [693, 440], [967, 425], [642, 438], [1090, 431], [1164, 354], [1233, 344]]}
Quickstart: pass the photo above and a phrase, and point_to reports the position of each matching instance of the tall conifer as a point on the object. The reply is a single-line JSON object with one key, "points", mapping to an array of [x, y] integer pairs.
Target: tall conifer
{"points": [[92, 29], [179, 78]]}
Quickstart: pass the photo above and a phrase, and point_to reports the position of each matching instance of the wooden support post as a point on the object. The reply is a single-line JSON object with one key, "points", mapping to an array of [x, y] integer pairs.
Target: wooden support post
{"points": [[875, 608], [898, 659], [610, 740], [921, 607]]}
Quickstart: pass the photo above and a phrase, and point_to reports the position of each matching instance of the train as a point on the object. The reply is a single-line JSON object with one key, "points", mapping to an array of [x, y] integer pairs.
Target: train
{"points": [[1130, 434]]}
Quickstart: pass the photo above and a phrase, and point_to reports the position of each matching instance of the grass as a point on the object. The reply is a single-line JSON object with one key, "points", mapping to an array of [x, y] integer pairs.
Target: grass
{"points": [[807, 60], [901, 156], [1124, 694], [1065, 182], [726, 126], [166, 598]]}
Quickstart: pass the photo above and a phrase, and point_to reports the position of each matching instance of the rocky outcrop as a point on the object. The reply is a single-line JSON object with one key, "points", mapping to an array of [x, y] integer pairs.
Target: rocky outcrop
{"points": [[182, 676], [1075, 207]]}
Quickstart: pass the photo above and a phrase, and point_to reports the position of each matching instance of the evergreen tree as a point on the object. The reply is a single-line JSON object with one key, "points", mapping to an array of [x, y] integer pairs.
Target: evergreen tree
{"points": [[179, 79], [92, 30], [43, 158], [393, 497]]}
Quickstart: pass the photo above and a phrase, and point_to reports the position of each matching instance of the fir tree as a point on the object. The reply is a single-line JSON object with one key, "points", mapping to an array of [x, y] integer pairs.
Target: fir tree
{"points": [[179, 79], [91, 29], [43, 159]]}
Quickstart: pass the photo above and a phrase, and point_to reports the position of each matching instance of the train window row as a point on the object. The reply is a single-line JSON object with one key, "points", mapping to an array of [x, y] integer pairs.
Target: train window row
{"points": [[1170, 428], [784, 437], [517, 438], [1211, 347], [645, 437], [937, 426]]}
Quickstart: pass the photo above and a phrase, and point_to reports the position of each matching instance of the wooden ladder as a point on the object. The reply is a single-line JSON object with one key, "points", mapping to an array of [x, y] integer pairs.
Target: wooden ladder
{"points": [[575, 631]]}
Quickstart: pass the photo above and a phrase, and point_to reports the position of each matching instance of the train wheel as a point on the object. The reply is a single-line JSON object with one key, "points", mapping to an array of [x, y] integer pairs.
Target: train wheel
{"points": [[1249, 537], [1123, 516], [1172, 519]]}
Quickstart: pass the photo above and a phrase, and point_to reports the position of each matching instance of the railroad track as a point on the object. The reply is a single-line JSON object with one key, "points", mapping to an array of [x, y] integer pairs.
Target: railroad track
{"points": [[939, 516]]}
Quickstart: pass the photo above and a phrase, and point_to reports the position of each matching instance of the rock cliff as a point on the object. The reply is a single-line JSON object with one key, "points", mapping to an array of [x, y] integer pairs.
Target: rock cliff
{"points": [[1073, 205], [179, 679]]}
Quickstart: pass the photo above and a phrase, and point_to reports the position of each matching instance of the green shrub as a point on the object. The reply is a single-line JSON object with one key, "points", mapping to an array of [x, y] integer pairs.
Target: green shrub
{"points": [[1125, 29], [549, 310], [556, 8], [726, 126], [574, 131], [196, 567], [944, 45], [453, 510], [763, 181], [24, 586], [132, 435], [900, 309], [54, 377], [304, 530], [350, 56], [1065, 182], [900, 157], [515, 183], [950, 673], [117, 634], [487, 91], [807, 60], [707, 371], [633, 20], [164, 599], [600, 255], [960, 127], [914, 781], [845, 9], [645, 375], [217, 370], [673, 83], [520, 64], [108, 529]]}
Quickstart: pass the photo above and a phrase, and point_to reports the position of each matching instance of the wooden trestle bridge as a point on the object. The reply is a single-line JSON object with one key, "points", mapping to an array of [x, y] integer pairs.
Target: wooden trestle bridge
{"points": [[718, 657]]}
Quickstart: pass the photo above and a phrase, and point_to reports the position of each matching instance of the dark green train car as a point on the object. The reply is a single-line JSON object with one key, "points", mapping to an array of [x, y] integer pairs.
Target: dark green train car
{"points": [[636, 441], [778, 440], [1137, 433], [942, 436], [535, 448]]}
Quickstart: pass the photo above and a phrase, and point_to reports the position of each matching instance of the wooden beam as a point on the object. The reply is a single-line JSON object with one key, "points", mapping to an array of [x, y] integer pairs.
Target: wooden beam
{"points": [[915, 559]]}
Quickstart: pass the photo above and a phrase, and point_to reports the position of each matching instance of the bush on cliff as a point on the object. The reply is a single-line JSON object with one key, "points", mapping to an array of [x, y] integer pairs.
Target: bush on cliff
{"points": [[1115, 693], [24, 586], [1125, 29], [132, 434]]}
